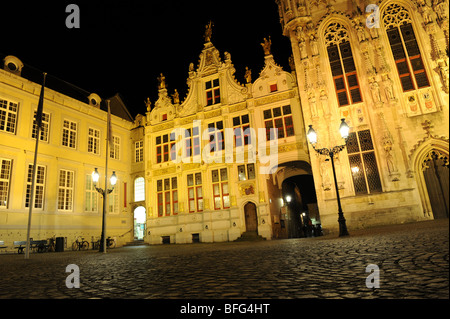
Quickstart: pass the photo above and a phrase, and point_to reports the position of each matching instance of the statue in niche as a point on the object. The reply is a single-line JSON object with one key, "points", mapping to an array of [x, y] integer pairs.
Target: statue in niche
{"points": [[302, 46], [208, 31], [176, 97], [313, 44], [248, 75], [388, 88], [148, 104], [443, 72], [267, 44], [375, 90], [162, 82], [312, 105]]}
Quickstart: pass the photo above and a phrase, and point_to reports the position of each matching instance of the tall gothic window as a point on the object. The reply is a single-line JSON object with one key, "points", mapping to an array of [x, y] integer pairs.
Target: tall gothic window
{"points": [[342, 65], [404, 48]]}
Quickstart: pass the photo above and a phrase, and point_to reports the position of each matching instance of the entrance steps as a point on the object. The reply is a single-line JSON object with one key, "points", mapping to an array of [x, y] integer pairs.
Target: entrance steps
{"points": [[136, 243], [250, 236]]}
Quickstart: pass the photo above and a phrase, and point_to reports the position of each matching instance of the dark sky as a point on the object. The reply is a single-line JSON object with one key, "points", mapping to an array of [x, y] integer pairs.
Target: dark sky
{"points": [[122, 46]]}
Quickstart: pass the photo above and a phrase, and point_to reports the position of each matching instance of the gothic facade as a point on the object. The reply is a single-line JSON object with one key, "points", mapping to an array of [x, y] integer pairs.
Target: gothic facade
{"points": [[383, 67]]}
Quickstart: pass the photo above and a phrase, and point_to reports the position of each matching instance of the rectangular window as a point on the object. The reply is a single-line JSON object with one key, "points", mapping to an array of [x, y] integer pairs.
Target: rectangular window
{"points": [[139, 151], [65, 190], [212, 90], [39, 186], [8, 116], [273, 88], [281, 119], [363, 163], [216, 136], [44, 129], [91, 201], [113, 200], [241, 127], [114, 152], [221, 192], [69, 136], [165, 148], [245, 174], [195, 192], [93, 141], [167, 196], [5, 181]]}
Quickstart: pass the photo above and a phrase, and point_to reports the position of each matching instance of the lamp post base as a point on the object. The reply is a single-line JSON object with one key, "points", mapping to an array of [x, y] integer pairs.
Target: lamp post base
{"points": [[342, 225]]}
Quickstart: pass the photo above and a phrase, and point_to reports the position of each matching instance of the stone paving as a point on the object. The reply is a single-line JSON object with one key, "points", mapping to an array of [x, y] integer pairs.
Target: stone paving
{"points": [[413, 260]]}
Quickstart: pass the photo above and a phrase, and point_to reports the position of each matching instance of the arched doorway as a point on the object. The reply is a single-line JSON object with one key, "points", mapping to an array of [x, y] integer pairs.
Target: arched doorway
{"points": [[140, 220], [251, 218], [436, 176]]}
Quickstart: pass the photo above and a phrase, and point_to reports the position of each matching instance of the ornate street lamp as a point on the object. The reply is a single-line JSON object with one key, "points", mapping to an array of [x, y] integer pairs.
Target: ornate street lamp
{"points": [[331, 152], [104, 193]]}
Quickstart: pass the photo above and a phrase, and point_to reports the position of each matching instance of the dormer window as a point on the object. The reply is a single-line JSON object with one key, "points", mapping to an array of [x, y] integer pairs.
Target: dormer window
{"points": [[212, 92], [164, 117]]}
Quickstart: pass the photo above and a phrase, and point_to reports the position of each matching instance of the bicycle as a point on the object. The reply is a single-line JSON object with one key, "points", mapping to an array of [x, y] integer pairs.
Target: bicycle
{"points": [[80, 244], [110, 243], [51, 244]]}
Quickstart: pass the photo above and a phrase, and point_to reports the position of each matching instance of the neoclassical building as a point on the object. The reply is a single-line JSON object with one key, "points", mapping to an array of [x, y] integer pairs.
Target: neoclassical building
{"points": [[382, 67]]}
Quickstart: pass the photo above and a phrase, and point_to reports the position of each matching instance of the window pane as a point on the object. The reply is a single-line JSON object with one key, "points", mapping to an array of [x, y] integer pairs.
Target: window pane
{"points": [[267, 114], [215, 176], [241, 172], [352, 143], [190, 179], [357, 174], [422, 80], [373, 178], [365, 140], [223, 174], [276, 112], [251, 171]]}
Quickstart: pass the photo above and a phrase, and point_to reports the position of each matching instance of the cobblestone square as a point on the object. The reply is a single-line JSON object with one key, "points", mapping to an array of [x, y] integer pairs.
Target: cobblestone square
{"points": [[413, 260]]}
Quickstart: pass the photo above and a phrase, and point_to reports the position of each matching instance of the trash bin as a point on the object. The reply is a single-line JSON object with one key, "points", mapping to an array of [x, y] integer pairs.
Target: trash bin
{"points": [[59, 245]]}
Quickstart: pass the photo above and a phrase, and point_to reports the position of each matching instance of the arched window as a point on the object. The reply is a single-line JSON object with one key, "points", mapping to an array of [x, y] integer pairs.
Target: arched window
{"points": [[404, 47], [139, 189], [342, 65]]}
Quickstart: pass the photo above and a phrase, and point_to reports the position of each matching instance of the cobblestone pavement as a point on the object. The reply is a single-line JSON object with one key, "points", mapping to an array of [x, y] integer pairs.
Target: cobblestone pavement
{"points": [[413, 260]]}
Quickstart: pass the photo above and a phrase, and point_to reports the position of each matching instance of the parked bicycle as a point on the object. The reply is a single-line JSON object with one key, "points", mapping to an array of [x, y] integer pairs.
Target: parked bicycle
{"points": [[110, 243], [80, 244]]}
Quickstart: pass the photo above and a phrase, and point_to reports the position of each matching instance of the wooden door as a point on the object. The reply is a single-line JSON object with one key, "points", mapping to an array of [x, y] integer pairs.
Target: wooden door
{"points": [[435, 172], [251, 221]]}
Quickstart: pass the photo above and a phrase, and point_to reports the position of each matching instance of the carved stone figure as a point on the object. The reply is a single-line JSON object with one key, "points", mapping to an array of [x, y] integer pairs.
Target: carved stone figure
{"points": [[176, 97], [162, 82], [302, 46], [148, 104], [248, 75], [375, 90], [388, 88], [266, 46], [313, 44], [208, 31]]}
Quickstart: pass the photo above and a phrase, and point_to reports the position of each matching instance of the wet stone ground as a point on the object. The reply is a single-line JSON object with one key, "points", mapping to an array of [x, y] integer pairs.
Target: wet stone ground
{"points": [[413, 261]]}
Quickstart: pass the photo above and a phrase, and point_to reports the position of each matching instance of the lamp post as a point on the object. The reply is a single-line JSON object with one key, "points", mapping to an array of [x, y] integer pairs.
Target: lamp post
{"points": [[331, 152], [104, 193]]}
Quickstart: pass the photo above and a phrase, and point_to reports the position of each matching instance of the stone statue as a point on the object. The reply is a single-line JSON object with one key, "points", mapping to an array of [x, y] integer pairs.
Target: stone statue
{"points": [[266, 46], [162, 82], [388, 88], [313, 45], [375, 90], [176, 97], [248, 75], [148, 104], [208, 31]]}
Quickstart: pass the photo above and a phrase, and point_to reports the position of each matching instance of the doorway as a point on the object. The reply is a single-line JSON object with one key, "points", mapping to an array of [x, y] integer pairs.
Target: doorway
{"points": [[140, 219], [251, 219], [435, 173]]}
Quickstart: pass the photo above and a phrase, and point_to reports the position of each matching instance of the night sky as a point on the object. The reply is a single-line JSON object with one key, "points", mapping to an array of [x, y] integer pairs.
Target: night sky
{"points": [[122, 46]]}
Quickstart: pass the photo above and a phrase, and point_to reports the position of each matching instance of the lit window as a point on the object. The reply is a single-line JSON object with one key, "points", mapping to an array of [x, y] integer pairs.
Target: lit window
{"points": [[281, 119], [5, 181], [241, 127], [8, 116], [69, 136], [195, 192], [220, 188], [139, 189], [39, 186], [91, 202], [167, 196], [139, 151], [44, 128], [65, 190], [93, 141]]}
